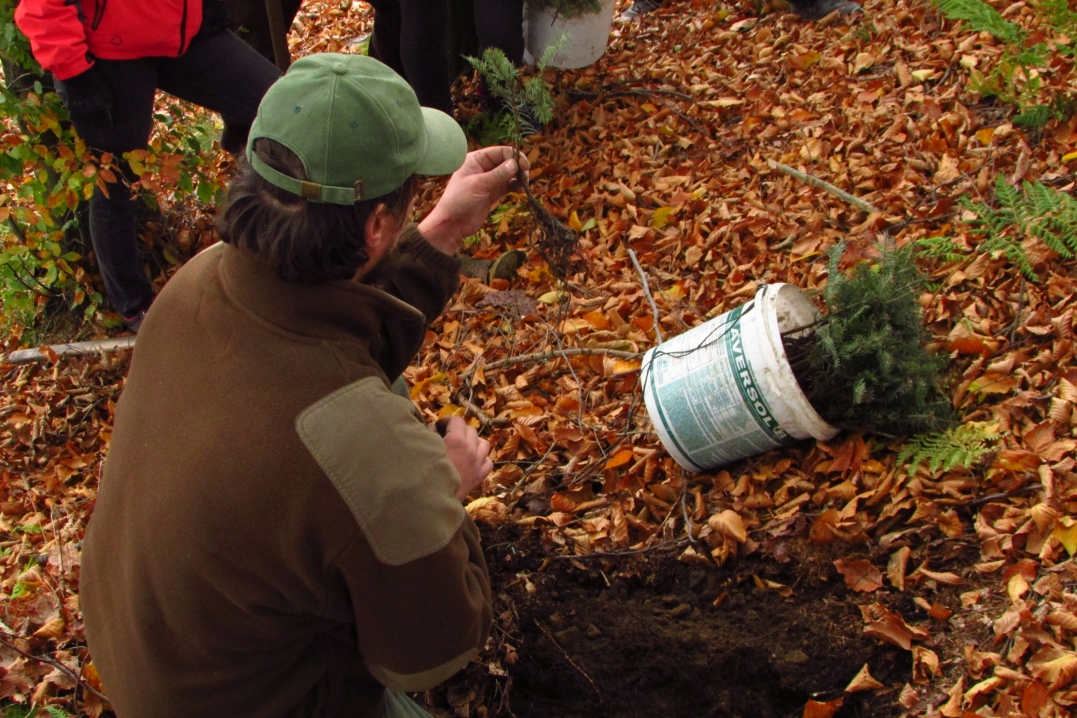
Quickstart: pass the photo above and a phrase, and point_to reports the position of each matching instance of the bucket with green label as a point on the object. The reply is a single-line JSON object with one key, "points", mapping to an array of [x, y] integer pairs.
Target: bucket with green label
{"points": [[724, 390]]}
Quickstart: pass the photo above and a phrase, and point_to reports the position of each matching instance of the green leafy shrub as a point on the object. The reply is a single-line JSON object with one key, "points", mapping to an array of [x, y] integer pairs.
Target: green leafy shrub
{"points": [[47, 174]]}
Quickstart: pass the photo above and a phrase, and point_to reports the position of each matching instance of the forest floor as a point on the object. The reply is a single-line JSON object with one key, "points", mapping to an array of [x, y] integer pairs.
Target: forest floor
{"points": [[822, 579]]}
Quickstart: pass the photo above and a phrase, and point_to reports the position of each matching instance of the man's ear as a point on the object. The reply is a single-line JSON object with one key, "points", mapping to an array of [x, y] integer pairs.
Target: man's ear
{"points": [[382, 229]]}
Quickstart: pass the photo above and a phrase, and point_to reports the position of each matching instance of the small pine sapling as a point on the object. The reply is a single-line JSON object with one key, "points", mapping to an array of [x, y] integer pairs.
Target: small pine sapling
{"points": [[556, 243], [864, 365]]}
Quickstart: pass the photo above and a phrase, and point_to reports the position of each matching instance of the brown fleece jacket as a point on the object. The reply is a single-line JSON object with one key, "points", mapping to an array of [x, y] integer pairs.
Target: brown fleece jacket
{"points": [[276, 533]]}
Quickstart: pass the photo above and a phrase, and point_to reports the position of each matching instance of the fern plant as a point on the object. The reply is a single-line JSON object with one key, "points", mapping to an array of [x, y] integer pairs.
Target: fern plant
{"points": [[962, 446], [1035, 210], [981, 17], [1014, 78]]}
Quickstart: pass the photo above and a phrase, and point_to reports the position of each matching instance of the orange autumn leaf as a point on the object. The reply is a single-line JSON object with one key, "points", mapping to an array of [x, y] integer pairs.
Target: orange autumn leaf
{"points": [[860, 575], [815, 709], [621, 458]]}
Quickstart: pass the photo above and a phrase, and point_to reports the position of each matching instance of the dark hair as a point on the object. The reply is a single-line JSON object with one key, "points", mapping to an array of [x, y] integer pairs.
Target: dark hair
{"points": [[306, 242]]}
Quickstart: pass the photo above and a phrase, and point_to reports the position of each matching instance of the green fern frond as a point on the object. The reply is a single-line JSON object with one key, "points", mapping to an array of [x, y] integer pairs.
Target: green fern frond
{"points": [[961, 446], [1035, 116], [1035, 210], [981, 17], [1058, 15], [940, 248]]}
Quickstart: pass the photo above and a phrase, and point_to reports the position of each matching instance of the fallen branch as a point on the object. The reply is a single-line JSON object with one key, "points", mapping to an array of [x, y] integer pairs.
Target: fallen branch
{"points": [[77, 349], [647, 293], [55, 664], [676, 543], [571, 351], [823, 185], [1004, 495]]}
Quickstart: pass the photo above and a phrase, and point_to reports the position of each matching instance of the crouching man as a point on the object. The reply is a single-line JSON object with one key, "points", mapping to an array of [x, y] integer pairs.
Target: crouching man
{"points": [[276, 532]]}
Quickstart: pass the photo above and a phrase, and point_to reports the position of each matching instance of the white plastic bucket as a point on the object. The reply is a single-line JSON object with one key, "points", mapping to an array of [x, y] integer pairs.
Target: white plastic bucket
{"points": [[724, 390], [588, 35]]}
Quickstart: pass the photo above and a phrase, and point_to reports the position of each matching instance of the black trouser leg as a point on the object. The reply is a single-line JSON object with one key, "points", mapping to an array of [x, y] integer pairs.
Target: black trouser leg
{"points": [[224, 74], [421, 53], [112, 216], [500, 24]]}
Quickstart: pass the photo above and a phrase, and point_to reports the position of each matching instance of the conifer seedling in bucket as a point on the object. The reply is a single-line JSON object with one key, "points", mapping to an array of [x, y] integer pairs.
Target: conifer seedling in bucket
{"points": [[771, 372]]}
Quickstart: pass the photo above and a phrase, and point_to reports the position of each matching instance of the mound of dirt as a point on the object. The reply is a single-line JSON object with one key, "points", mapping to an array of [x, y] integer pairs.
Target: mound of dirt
{"points": [[644, 636]]}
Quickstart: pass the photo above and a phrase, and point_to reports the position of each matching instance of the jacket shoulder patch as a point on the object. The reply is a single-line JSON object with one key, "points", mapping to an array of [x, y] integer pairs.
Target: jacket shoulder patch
{"points": [[390, 469]]}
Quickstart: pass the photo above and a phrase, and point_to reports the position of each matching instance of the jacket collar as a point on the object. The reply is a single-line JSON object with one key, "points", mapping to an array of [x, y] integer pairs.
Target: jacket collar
{"points": [[391, 330]]}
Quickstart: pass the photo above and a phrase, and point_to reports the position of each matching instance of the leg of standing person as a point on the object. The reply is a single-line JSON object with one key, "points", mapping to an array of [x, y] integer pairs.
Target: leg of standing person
{"points": [[221, 73], [424, 51], [500, 24], [385, 40], [113, 215]]}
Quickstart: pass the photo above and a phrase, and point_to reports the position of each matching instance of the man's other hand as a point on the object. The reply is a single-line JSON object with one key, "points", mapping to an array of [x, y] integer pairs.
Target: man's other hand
{"points": [[468, 453], [473, 191]]}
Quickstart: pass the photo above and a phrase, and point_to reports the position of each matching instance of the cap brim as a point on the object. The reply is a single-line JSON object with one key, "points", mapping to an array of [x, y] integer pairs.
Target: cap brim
{"points": [[446, 145]]}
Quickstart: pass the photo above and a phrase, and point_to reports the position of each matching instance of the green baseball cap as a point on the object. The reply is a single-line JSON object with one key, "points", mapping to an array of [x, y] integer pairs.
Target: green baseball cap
{"points": [[357, 127]]}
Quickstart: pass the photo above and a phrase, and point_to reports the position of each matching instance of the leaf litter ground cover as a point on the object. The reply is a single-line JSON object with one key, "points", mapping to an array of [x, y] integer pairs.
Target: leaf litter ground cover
{"points": [[927, 592]]}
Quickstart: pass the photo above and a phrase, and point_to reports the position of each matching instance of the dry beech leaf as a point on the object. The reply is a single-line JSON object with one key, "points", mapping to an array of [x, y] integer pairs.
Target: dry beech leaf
{"points": [[950, 579], [925, 664], [621, 458], [863, 681], [888, 626], [767, 585], [895, 569], [53, 629], [1016, 587], [487, 509], [860, 575], [729, 524], [908, 698], [952, 707], [935, 610], [1055, 666], [815, 709]]}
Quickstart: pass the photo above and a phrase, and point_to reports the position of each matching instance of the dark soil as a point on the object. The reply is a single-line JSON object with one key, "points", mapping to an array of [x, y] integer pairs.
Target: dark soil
{"points": [[642, 636]]}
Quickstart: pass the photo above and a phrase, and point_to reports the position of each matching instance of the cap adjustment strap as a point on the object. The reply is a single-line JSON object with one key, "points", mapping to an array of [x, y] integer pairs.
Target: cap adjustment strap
{"points": [[311, 191]]}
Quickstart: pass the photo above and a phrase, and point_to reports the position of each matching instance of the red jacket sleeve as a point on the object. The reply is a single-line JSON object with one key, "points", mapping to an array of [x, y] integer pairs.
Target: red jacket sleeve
{"points": [[57, 35]]}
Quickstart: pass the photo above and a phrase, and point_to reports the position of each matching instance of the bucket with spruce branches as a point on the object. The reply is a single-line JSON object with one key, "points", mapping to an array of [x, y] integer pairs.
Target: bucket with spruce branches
{"points": [[772, 372]]}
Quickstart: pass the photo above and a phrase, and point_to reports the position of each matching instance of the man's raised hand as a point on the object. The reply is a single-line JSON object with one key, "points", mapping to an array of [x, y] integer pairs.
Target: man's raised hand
{"points": [[472, 192]]}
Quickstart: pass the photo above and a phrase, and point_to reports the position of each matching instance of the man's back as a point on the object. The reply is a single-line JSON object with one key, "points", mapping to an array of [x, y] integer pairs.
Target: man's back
{"points": [[250, 551]]}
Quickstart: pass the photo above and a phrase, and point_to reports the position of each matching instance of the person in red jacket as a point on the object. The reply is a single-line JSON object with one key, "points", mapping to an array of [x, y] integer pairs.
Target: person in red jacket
{"points": [[109, 57]]}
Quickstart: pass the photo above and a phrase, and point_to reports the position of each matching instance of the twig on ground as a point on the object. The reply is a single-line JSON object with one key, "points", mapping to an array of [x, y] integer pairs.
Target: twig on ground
{"points": [[1020, 309], [485, 419], [50, 662], [1004, 495], [824, 185], [560, 353], [647, 293], [677, 543], [569, 658]]}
